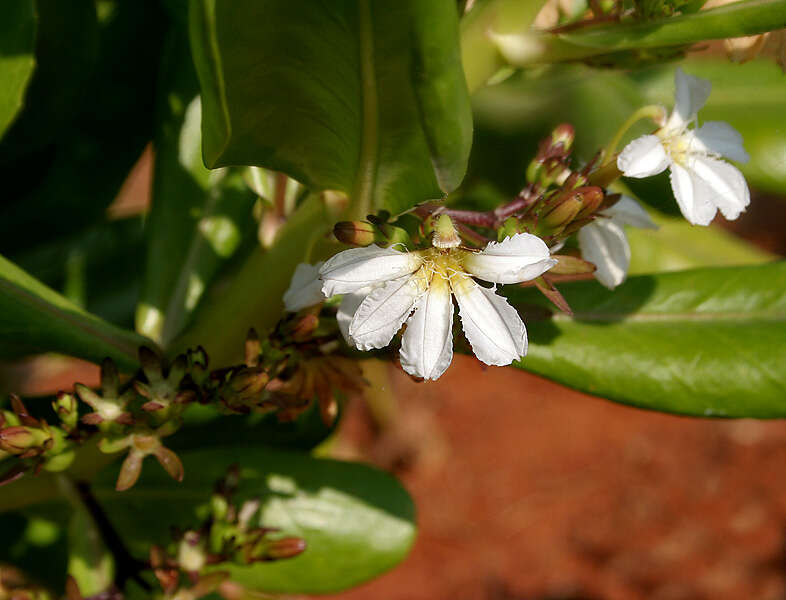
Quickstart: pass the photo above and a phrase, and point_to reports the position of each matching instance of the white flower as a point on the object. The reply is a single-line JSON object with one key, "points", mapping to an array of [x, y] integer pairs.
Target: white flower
{"points": [[701, 182], [390, 288], [305, 289], [603, 242]]}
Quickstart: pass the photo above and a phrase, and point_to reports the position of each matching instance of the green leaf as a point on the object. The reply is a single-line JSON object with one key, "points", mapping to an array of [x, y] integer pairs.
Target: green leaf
{"points": [[367, 98], [705, 342], [34, 318], [79, 174], [17, 61], [252, 298], [737, 19], [357, 521], [677, 245], [90, 563], [66, 53], [198, 218]]}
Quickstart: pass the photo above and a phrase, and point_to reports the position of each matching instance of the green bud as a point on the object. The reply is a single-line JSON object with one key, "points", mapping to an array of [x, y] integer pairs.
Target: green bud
{"points": [[66, 408], [559, 217], [20, 439], [570, 265], [356, 233]]}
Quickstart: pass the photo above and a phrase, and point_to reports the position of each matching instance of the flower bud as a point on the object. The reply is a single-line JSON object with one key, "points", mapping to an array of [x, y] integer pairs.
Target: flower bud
{"points": [[591, 198], [288, 547], [570, 265], [561, 215], [356, 233], [19, 439], [445, 234], [66, 408], [191, 554]]}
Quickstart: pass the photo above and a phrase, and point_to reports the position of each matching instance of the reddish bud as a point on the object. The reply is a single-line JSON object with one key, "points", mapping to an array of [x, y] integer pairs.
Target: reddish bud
{"points": [[285, 548], [355, 233]]}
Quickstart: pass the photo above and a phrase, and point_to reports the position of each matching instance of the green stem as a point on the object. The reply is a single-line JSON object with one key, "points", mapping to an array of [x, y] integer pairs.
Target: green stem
{"points": [[652, 111], [253, 296]]}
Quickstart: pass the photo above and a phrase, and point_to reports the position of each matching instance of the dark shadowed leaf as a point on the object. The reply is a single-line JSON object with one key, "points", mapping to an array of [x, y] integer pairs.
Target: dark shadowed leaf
{"points": [[34, 319], [17, 56]]}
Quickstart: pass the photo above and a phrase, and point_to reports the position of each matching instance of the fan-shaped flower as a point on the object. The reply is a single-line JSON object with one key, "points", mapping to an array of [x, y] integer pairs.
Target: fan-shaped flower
{"points": [[702, 183], [391, 288]]}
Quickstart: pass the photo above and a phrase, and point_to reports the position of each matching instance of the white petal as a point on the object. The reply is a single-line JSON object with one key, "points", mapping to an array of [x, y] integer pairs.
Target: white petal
{"points": [[492, 326], [347, 309], [694, 201], [627, 211], [383, 312], [305, 289], [721, 138], [427, 344], [353, 269], [690, 95], [604, 244], [519, 258], [724, 185], [643, 157]]}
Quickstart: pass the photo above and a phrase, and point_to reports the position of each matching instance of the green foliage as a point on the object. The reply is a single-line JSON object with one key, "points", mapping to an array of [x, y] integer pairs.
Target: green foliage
{"points": [[17, 41], [357, 521], [34, 318], [367, 98], [198, 218], [705, 342]]}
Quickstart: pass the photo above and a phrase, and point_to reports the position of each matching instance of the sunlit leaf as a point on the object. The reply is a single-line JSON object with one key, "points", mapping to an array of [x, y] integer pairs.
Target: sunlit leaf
{"points": [[363, 97], [705, 342]]}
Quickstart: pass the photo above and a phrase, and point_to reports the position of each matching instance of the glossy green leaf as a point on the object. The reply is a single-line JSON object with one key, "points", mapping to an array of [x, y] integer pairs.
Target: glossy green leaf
{"points": [[706, 342], [730, 20], [17, 60], [34, 318], [198, 218], [356, 520], [363, 97]]}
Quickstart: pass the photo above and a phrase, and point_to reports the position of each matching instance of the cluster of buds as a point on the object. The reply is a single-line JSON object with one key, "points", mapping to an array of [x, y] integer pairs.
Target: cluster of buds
{"points": [[296, 367], [230, 534], [33, 442]]}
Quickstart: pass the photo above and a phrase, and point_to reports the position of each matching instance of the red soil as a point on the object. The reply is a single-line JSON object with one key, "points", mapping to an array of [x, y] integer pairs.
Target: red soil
{"points": [[528, 490]]}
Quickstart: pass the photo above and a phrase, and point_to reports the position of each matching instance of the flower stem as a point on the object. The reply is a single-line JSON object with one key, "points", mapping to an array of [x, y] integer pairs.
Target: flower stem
{"points": [[652, 111]]}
